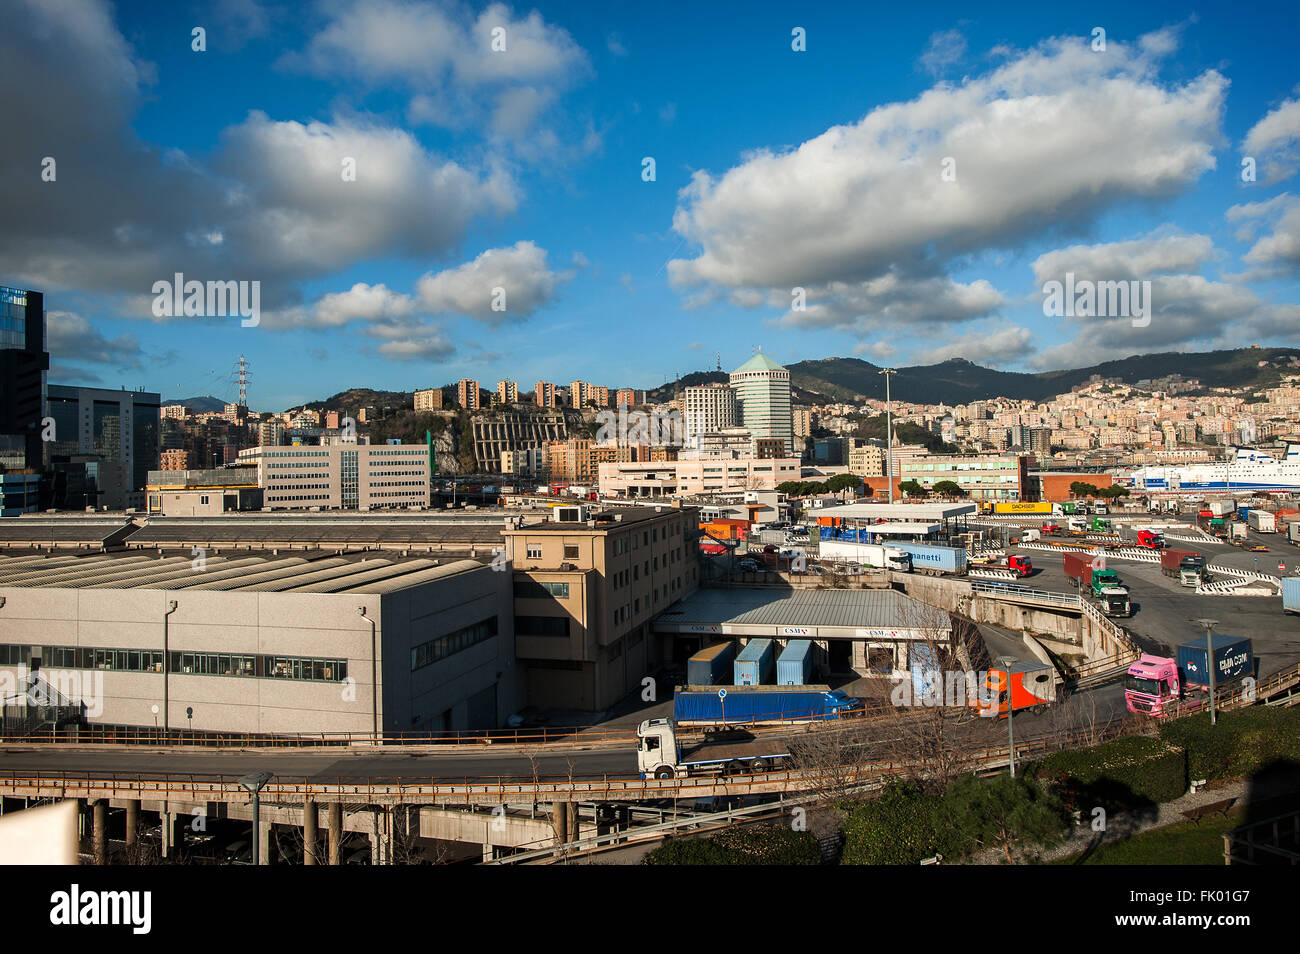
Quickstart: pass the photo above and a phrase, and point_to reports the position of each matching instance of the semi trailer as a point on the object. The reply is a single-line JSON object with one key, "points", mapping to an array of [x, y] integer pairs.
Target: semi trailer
{"points": [[933, 559], [1022, 685], [1102, 583], [660, 753], [1154, 682], [716, 706]]}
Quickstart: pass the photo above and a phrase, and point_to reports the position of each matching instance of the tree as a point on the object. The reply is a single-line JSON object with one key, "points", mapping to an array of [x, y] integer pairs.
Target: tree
{"points": [[948, 488], [1081, 488], [913, 489]]}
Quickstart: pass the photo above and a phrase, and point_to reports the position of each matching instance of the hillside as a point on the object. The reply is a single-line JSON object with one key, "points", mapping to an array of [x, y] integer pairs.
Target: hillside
{"points": [[206, 404]]}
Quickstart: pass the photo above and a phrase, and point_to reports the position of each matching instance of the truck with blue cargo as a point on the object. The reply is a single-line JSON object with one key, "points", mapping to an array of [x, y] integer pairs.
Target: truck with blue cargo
{"points": [[712, 665], [794, 667], [932, 559], [1154, 682], [754, 705], [1291, 594], [756, 664], [661, 754]]}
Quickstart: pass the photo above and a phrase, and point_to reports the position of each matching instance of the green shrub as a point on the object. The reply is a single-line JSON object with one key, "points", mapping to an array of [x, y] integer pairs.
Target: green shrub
{"points": [[1121, 775], [901, 827], [743, 845], [1243, 742]]}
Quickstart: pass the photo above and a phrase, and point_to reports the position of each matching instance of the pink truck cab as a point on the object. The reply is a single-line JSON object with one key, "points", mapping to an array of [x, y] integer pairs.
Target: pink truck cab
{"points": [[1150, 684]]}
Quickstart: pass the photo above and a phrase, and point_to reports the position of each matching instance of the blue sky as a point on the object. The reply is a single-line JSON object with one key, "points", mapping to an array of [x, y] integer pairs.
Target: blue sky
{"points": [[522, 169]]}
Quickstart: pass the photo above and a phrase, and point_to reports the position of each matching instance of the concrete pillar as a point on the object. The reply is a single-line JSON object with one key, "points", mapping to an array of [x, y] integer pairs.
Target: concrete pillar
{"points": [[263, 842], [560, 821], [308, 832], [165, 831], [101, 831], [575, 822], [132, 821], [336, 832]]}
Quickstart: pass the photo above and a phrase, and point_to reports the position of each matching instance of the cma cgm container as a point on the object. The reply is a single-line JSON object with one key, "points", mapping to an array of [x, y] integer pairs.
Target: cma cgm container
{"points": [[711, 666], [794, 667], [702, 705], [755, 664], [1232, 660], [932, 559]]}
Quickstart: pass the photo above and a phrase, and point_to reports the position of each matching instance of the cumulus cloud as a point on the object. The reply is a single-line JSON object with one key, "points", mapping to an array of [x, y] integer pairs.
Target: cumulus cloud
{"points": [[70, 337], [894, 299], [449, 60], [520, 272], [1044, 143], [1277, 252], [1274, 142], [1187, 311], [997, 346], [270, 205]]}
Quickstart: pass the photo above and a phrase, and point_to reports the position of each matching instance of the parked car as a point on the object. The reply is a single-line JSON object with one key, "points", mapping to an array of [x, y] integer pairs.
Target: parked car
{"points": [[771, 548], [747, 566], [1258, 549]]}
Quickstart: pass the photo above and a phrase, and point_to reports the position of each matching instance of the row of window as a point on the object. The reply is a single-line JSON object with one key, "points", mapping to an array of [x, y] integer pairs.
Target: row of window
{"points": [[179, 663], [440, 647], [540, 590]]}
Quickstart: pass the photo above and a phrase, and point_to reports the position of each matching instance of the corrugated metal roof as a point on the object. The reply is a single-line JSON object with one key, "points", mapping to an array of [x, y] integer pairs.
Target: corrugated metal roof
{"points": [[318, 572], [423, 576], [379, 573], [151, 580], [268, 573], [86, 566], [776, 607]]}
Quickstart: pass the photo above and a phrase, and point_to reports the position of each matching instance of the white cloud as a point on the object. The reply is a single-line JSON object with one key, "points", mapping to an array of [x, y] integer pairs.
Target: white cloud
{"points": [[997, 347], [1278, 252], [70, 337], [1045, 142], [945, 48], [520, 271], [1124, 261], [1274, 142]]}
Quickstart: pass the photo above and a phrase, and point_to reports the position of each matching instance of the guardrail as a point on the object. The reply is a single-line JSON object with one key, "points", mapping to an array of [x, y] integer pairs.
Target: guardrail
{"points": [[1011, 591]]}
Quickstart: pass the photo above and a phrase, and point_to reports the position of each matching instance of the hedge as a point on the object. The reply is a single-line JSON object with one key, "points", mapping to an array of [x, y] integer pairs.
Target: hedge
{"points": [[901, 827], [743, 845], [1244, 741], [1124, 774]]}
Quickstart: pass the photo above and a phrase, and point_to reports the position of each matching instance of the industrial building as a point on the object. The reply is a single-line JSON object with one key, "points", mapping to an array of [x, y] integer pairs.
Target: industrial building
{"points": [[289, 645], [345, 475]]}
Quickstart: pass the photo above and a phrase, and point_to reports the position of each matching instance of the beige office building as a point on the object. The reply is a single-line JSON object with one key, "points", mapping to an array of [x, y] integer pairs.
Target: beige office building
{"points": [[429, 400], [587, 585], [342, 476], [684, 478]]}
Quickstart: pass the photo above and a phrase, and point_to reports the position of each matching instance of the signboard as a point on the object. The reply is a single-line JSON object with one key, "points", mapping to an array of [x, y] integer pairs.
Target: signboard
{"points": [[700, 628], [796, 631]]}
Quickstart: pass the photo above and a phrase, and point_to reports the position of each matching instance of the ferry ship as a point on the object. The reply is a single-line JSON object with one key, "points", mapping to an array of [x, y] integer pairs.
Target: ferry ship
{"points": [[1242, 469]]}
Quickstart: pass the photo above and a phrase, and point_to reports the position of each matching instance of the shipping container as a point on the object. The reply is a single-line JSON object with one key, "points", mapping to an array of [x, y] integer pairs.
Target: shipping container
{"points": [[756, 664], [1232, 658], [699, 705], [1293, 531], [933, 559], [1291, 594], [1171, 560], [711, 666], [794, 667]]}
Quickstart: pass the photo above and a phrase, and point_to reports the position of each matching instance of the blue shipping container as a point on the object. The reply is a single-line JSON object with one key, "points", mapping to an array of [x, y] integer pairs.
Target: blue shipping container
{"points": [[754, 665], [1291, 594], [759, 704], [1232, 658], [795, 665], [932, 557], [924, 660], [710, 666]]}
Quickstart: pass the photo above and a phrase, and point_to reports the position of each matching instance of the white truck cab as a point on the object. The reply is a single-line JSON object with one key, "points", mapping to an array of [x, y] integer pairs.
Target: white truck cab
{"points": [[656, 750]]}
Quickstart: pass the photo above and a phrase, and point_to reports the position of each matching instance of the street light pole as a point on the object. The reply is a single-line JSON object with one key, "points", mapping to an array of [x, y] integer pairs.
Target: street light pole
{"points": [[1209, 625], [374, 675], [253, 784], [889, 434], [171, 608]]}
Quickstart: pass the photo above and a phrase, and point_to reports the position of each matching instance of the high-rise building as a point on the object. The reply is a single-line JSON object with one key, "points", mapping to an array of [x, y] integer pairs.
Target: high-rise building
{"points": [[706, 409], [507, 392], [23, 363], [173, 460], [544, 394], [629, 397], [429, 400], [467, 394], [763, 399], [121, 428]]}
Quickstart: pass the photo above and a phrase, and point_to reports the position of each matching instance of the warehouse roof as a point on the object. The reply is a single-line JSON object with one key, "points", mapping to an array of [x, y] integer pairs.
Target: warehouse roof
{"points": [[810, 613], [249, 574], [899, 511]]}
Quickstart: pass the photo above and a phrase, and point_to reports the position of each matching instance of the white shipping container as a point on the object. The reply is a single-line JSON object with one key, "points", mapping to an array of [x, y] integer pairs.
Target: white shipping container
{"points": [[1261, 521]]}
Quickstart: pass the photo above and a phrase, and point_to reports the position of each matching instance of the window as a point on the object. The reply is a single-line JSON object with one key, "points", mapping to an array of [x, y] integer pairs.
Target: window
{"points": [[570, 551], [542, 626], [534, 551], [538, 590], [441, 647]]}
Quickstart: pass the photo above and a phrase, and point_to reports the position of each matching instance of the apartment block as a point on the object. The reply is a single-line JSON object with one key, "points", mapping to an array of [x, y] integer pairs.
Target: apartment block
{"points": [[429, 400], [507, 392], [984, 477], [467, 394], [544, 394]]}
